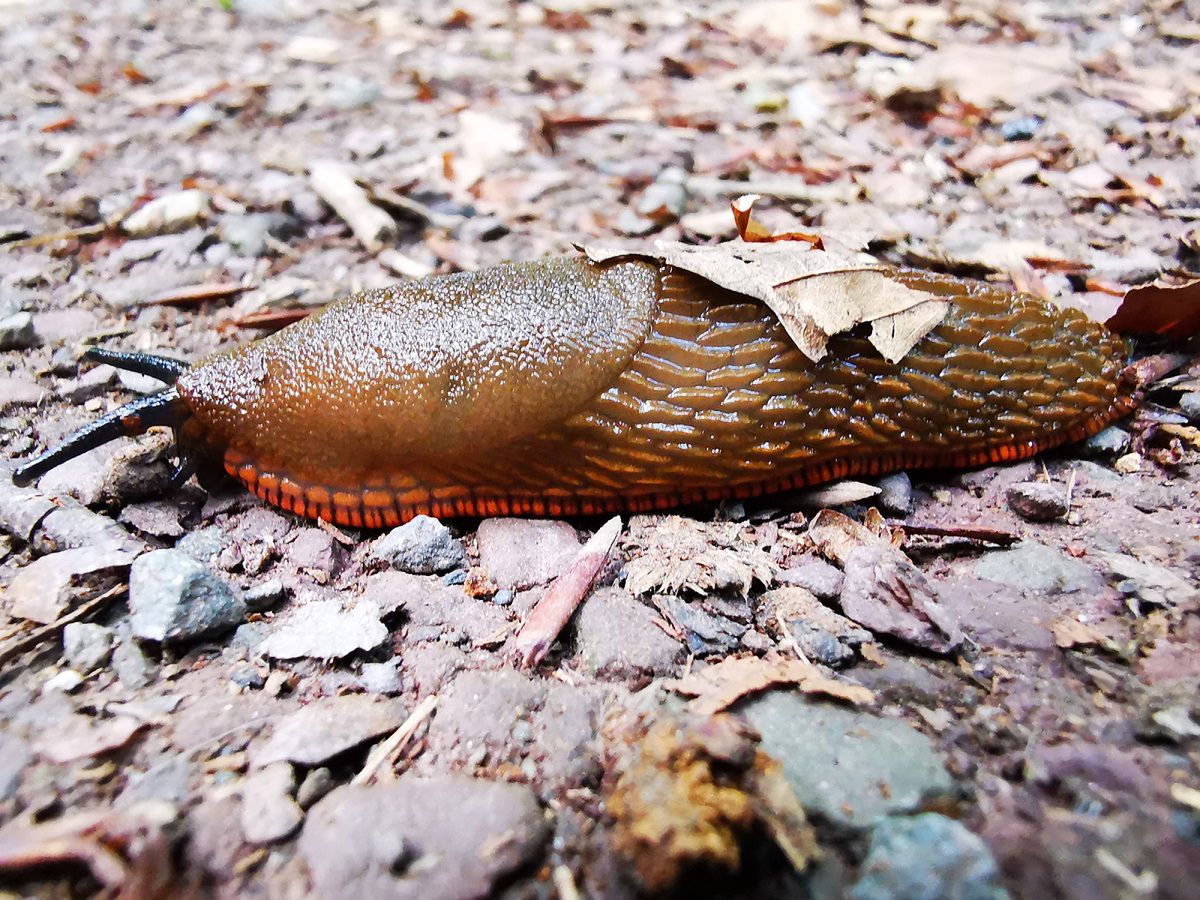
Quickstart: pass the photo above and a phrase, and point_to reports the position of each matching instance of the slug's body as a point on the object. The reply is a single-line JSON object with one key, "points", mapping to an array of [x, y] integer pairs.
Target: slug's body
{"points": [[568, 386]]}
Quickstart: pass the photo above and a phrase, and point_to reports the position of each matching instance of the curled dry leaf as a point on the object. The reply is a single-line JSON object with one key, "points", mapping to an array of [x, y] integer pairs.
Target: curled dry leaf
{"points": [[1172, 310], [720, 686], [834, 534], [754, 232], [815, 293], [1069, 632]]}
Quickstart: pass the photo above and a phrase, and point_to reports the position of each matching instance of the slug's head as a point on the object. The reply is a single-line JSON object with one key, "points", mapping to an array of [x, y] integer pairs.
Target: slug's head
{"points": [[162, 408]]}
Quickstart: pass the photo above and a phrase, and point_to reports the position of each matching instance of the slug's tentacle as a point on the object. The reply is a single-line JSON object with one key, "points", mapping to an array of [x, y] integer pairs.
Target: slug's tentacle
{"points": [[134, 418], [160, 367]]}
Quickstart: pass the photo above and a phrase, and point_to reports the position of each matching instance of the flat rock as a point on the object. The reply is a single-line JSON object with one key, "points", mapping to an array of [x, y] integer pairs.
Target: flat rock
{"points": [[435, 608], [423, 546], [546, 728], [519, 553], [927, 855], [322, 629], [45, 588], [815, 575], [324, 728], [441, 838], [1031, 566], [268, 813], [996, 615], [886, 594], [175, 599], [618, 637], [849, 766]]}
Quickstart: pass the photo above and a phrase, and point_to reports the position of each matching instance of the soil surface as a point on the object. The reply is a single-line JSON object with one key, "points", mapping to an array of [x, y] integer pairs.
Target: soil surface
{"points": [[204, 696]]}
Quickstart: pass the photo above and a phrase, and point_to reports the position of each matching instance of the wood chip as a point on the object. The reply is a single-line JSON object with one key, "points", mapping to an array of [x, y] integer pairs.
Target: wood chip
{"points": [[335, 185]]}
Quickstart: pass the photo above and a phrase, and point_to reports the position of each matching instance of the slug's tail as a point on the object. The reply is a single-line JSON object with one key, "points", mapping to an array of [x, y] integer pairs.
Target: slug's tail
{"points": [[163, 408]]}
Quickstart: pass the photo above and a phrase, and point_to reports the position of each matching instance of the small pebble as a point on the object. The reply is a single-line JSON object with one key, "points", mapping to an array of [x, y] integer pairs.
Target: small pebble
{"points": [[16, 332], [457, 577], [263, 596], [1037, 501], [316, 785], [423, 546], [247, 676], [502, 597], [1021, 129], [895, 494], [1108, 443], [64, 682], [1189, 405], [87, 646], [174, 598]]}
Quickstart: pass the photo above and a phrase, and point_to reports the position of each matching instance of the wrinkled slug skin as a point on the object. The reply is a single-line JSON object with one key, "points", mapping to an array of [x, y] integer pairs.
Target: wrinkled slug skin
{"points": [[566, 386]]}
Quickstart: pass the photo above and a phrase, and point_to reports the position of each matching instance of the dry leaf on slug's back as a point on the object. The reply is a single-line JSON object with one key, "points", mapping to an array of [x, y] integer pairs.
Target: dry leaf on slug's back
{"points": [[721, 685], [1169, 310], [815, 293]]}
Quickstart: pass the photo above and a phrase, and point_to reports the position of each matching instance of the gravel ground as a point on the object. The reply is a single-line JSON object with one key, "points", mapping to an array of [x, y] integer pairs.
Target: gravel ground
{"points": [[204, 696]]}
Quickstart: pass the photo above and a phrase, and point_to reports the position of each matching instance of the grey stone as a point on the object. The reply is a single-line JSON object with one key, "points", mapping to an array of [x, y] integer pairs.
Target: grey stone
{"points": [[352, 93], [159, 518], [45, 588], [618, 637], [1189, 405], [440, 838], [821, 634], [203, 544], [925, 857], [381, 678], [435, 609], [17, 332], [1032, 566], [848, 766], [423, 546], [69, 527], [87, 646], [316, 784], [248, 233], [519, 553], [321, 629], [264, 595], [1038, 501], [324, 728], [885, 593], [268, 813], [503, 597], [705, 632], [18, 390], [1107, 443], [815, 575], [316, 549], [895, 494], [132, 666], [173, 598], [14, 757]]}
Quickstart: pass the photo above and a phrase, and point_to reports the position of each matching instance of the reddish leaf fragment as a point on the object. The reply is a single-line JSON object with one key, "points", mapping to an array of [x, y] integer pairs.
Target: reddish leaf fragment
{"points": [[63, 124], [752, 231], [196, 293], [274, 319], [134, 74], [1172, 310]]}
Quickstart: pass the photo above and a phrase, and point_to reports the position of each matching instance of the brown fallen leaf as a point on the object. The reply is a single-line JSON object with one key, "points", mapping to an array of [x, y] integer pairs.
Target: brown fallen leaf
{"points": [[1069, 632], [127, 850], [721, 685], [815, 293], [834, 535], [1172, 310], [196, 293]]}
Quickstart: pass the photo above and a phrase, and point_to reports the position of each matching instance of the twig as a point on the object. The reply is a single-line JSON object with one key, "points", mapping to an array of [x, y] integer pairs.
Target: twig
{"points": [[974, 533], [1070, 492], [396, 742], [38, 240], [395, 199], [371, 225], [35, 637], [564, 595], [788, 639]]}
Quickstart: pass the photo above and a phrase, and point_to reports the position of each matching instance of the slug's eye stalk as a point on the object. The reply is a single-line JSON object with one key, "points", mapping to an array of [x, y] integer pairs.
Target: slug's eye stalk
{"points": [[164, 408], [165, 370]]}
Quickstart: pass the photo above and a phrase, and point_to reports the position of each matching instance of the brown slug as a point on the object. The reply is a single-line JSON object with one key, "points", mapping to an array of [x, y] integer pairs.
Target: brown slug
{"points": [[569, 386]]}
